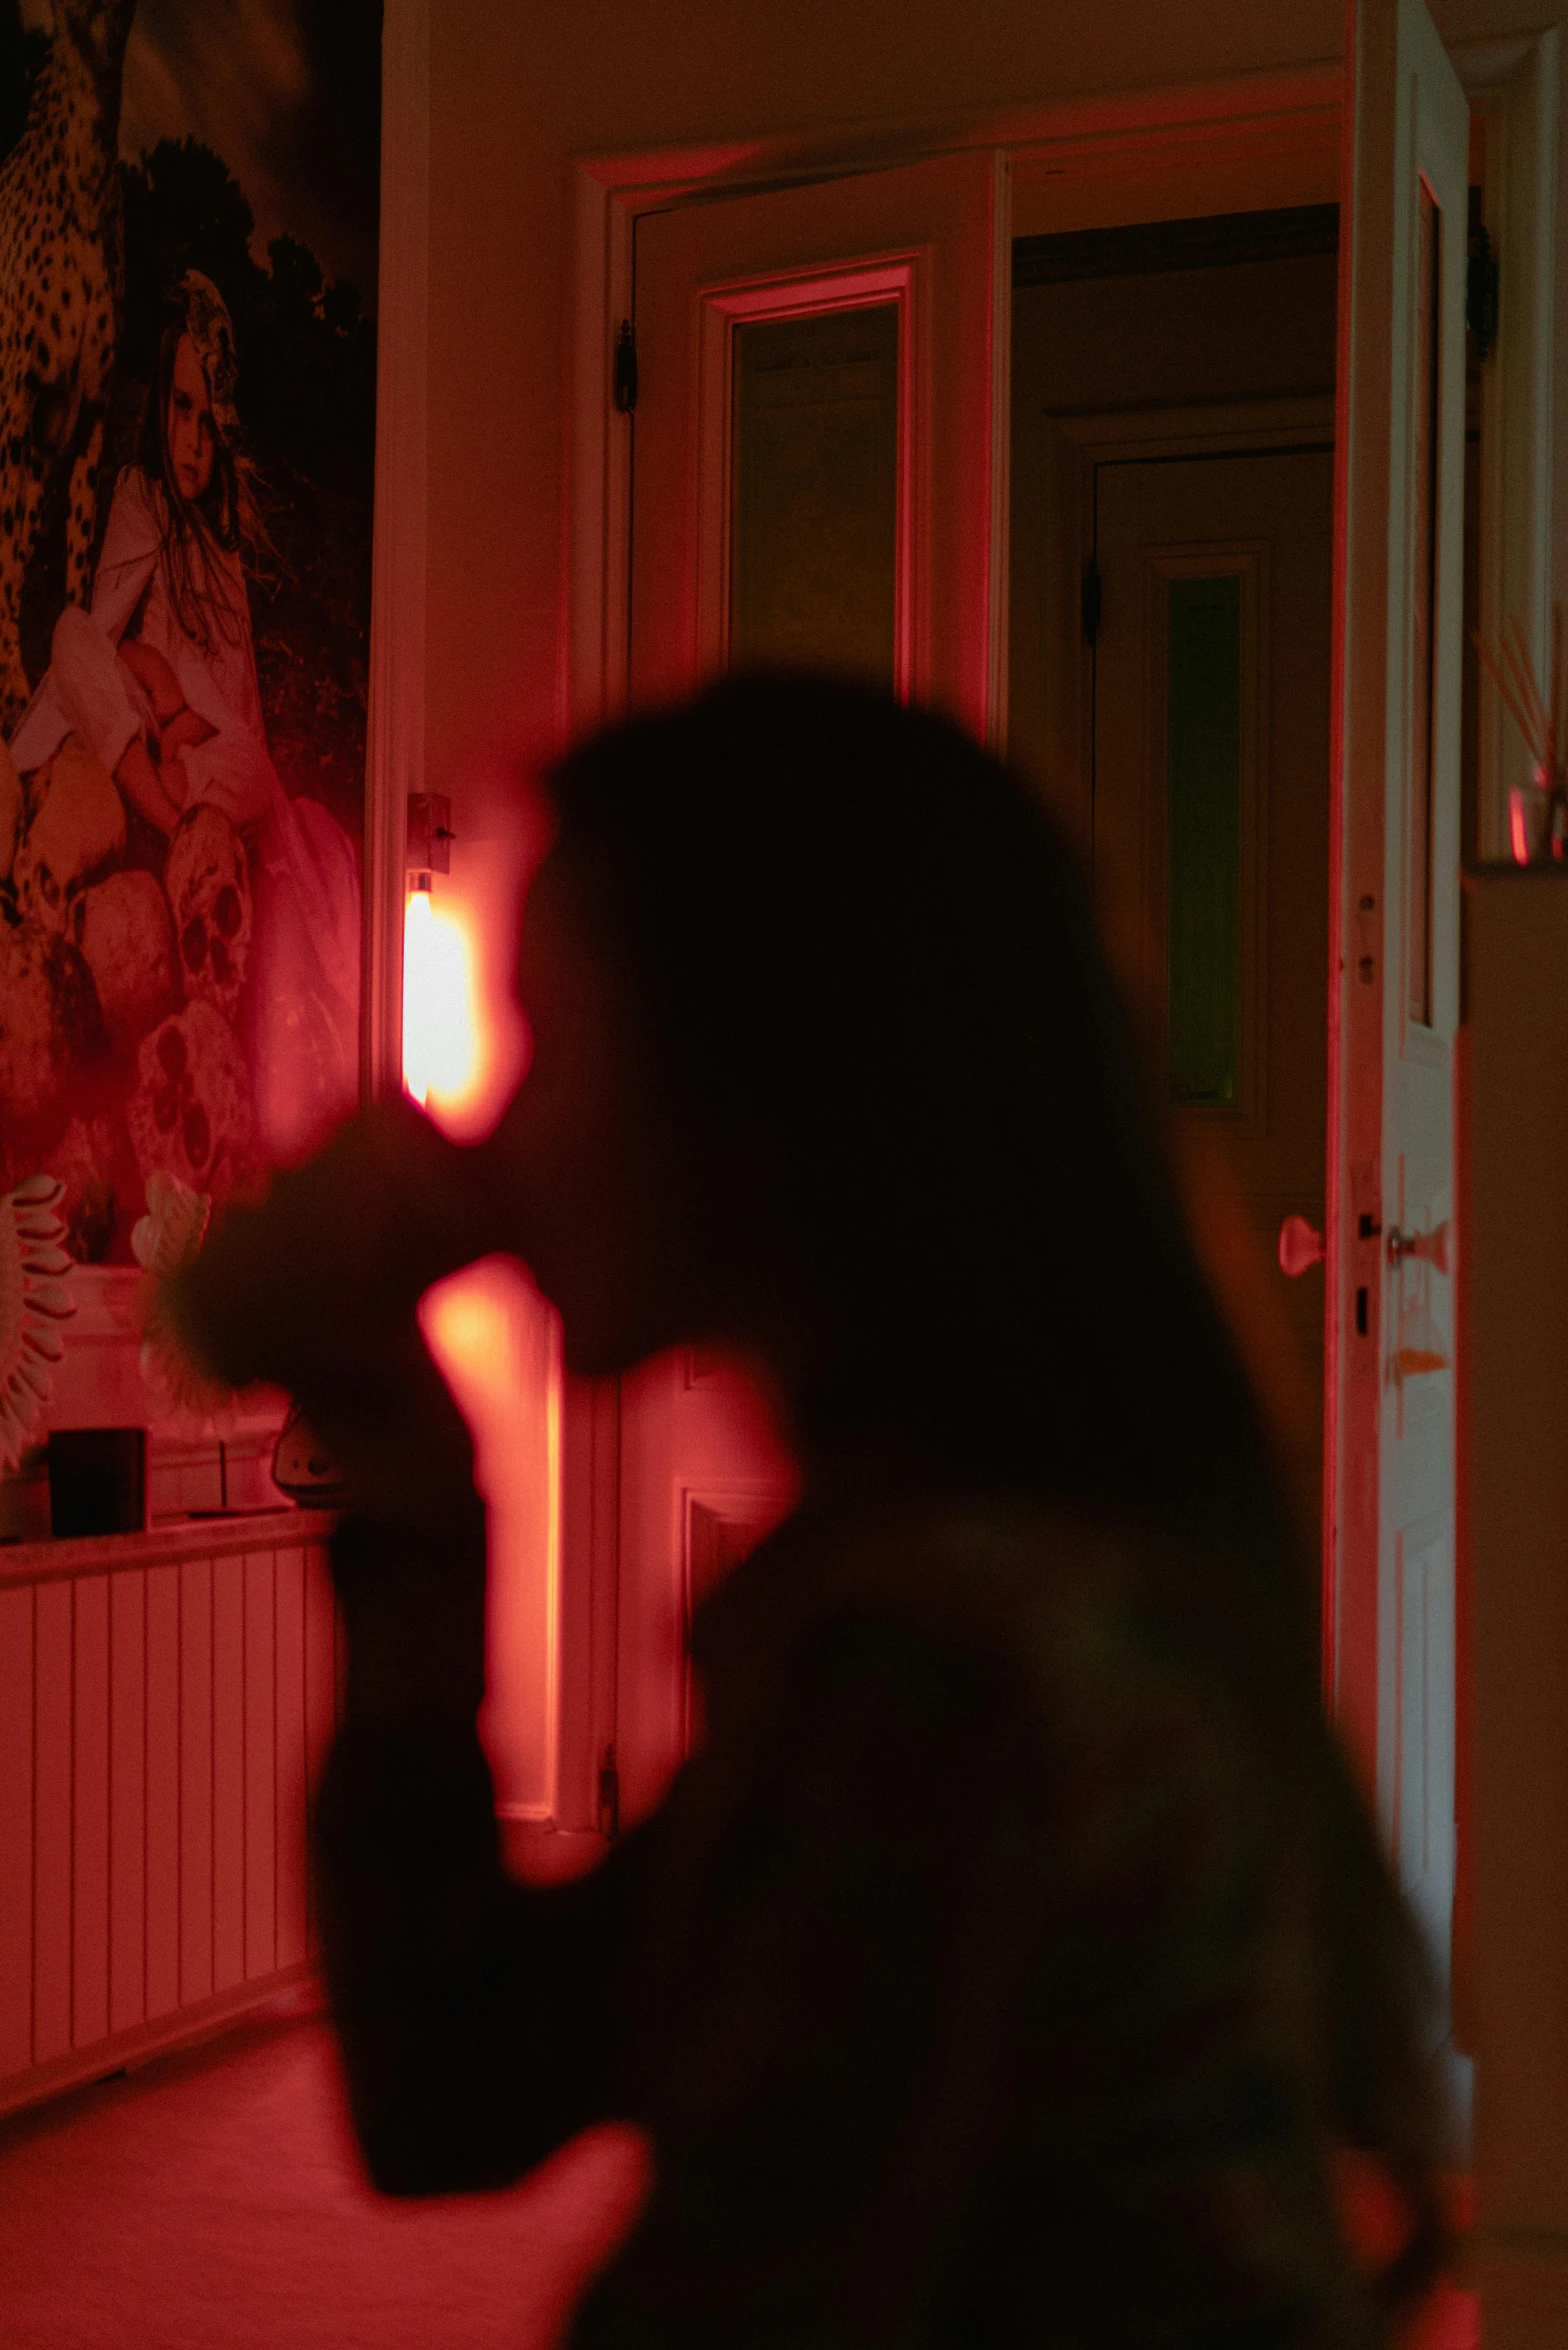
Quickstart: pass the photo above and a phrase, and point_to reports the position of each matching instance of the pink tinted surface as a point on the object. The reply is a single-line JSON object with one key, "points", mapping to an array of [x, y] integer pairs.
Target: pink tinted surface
{"points": [[214, 2199], [1451, 2321]]}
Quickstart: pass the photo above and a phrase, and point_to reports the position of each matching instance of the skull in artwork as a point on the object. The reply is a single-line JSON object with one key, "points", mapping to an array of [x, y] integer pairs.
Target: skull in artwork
{"points": [[207, 883], [123, 929], [190, 1115], [76, 831]]}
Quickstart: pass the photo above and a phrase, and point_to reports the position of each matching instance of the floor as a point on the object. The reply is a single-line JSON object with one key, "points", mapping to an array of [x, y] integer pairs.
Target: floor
{"points": [[213, 2198], [119, 2226]]}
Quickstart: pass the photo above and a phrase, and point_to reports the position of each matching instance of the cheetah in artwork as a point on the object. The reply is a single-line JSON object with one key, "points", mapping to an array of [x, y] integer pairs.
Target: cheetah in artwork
{"points": [[61, 291]]}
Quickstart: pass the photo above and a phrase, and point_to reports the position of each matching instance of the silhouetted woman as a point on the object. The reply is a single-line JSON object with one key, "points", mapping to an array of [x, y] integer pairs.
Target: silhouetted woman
{"points": [[1016, 1957]]}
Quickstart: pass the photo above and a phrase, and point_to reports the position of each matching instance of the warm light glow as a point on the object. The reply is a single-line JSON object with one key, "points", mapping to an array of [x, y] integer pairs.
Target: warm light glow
{"points": [[440, 1013], [1518, 827], [497, 1345]]}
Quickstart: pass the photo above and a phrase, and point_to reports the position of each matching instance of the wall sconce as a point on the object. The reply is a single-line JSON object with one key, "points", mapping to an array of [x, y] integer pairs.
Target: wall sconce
{"points": [[440, 1028]]}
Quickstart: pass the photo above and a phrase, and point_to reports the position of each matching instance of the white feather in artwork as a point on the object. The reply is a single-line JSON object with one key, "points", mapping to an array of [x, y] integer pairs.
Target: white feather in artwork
{"points": [[34, 1300]]}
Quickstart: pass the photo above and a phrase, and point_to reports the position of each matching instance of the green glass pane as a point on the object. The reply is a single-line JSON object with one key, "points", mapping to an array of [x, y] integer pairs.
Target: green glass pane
{"points": [[1203, 835], [815, 506]]}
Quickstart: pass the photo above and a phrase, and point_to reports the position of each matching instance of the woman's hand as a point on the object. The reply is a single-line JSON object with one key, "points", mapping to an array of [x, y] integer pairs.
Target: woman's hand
{"points": [[314, 1287], [335, 1250]]}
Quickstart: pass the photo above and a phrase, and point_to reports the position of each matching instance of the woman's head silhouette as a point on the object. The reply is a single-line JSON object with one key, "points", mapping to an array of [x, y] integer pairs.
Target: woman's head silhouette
{"points": [[865, 961], [828, 1064], [906, 1149]]}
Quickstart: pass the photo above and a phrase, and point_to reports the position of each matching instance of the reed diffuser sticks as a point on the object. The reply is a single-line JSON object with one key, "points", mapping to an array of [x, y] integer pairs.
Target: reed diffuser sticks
{"points": [[1537, 813]]}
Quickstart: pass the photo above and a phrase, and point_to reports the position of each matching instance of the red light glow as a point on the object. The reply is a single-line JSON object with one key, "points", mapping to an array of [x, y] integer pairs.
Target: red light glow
{"points": [[497, 1344], [1518, 827], [442, 1040]]}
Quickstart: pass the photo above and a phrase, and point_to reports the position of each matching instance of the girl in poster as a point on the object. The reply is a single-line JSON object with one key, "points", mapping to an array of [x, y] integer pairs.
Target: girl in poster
{"points": [[256, 924]]}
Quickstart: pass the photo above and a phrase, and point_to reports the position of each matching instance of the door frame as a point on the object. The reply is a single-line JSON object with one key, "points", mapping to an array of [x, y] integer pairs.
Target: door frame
{"points": [[1166, 143], [1162, 141], [1086, 156], [1076, 443], [1512, 85]]}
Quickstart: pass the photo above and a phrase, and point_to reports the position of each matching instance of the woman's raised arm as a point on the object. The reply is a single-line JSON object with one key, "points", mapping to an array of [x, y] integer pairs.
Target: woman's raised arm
{"points": [[478, 2017], [481, 2021]]}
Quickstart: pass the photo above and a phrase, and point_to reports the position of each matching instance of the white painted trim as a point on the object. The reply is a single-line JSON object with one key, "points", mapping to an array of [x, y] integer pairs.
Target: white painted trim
{"points": [[1513, 86], [1076, 442], [289, 1995], [1174, 124], [596, 522], [898, 278], [1515, 82], [395, 747], [1170, 128]]}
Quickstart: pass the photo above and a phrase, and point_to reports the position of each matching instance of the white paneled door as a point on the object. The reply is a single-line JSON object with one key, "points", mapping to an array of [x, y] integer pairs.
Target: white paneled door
{"points": [[818, 477], [1395, 966]]}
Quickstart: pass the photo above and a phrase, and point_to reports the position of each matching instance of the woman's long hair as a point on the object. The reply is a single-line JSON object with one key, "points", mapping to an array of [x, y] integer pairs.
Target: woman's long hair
{"points": [[226, 518], [865, 947]]}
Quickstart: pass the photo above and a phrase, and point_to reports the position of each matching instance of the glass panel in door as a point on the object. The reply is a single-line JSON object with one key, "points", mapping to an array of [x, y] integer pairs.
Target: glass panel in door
{"points": [[814, 506]]}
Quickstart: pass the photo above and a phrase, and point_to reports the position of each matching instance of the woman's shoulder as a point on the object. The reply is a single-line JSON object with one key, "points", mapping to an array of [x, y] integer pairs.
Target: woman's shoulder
{"points": [[1001, 1570], [991, 1645], [1065, 1614], [1090, 1649]]}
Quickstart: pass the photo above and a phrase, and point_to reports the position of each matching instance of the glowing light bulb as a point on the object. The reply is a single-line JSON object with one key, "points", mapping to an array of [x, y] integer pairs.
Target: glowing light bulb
{"points": [[440, 1021]]}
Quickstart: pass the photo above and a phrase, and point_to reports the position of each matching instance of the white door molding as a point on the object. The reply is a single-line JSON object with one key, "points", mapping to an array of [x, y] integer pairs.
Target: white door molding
{"points": [[1076, 443], [395, 744], [1091, 144]]}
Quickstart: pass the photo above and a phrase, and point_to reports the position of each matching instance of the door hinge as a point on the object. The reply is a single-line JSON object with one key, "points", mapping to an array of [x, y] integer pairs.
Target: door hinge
{"points": [[1090, 605], [625, 383], [609, 1797], [1481, 284]]}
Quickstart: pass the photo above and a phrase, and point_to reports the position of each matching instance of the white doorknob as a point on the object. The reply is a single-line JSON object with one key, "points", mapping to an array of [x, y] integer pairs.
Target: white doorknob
{"points": [[1300, 1247], [1429, 1248]]}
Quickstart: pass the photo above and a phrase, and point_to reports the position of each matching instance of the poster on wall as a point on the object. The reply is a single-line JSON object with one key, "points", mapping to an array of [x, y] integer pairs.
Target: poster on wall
{"points": [[188, 227]]}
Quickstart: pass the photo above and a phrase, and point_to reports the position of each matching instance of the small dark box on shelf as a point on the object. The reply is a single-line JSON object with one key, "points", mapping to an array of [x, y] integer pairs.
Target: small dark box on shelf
{"points": [[97, 1480]]}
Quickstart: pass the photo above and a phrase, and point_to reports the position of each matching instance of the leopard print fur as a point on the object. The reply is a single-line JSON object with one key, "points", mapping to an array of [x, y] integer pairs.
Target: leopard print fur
{"points": [[61, 295]]}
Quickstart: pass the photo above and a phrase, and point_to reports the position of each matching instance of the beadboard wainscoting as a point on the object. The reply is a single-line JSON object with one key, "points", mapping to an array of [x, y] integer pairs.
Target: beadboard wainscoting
{"points": [[164, 1701]]}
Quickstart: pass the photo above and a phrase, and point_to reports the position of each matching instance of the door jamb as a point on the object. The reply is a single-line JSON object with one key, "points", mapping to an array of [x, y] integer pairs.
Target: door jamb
{"points": [[395, 731], [1174, 129], [1170, 132], [1513, 83], [1078, 441]]}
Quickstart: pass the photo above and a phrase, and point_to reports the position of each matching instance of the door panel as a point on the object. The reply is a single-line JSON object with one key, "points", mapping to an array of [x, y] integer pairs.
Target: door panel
{"points": [[1211, 835], [814, 539], [817, 476], [1399, 529], [930, 241], [703, 1477]]}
